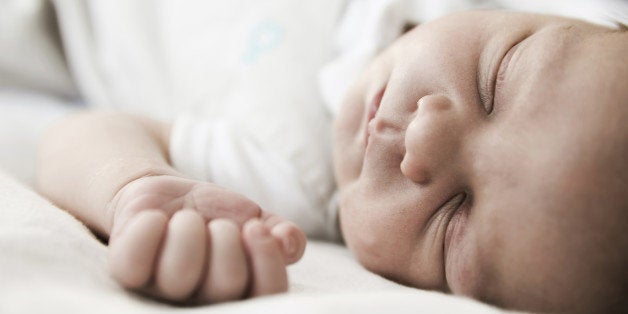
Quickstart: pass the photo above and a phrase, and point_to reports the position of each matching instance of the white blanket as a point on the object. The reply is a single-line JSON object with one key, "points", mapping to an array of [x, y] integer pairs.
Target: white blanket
{"points": [[51, 263]]}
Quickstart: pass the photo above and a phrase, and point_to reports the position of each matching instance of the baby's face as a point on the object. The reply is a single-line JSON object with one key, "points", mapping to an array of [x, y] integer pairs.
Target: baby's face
{"points": [[485, 154]]}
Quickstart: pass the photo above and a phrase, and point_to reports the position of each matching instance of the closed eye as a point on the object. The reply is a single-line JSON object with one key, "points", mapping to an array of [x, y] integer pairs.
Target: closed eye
{"points": [[494, 80]]}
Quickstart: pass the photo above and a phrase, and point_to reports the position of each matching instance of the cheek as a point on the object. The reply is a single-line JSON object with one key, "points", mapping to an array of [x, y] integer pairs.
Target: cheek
{"points": [[378, 241], [358, 227], [354, 229], [349, 116], [346, 151]]}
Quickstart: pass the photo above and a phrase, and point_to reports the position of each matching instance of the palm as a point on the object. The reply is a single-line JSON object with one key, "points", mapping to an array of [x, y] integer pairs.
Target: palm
{"points": [[170, 194]]}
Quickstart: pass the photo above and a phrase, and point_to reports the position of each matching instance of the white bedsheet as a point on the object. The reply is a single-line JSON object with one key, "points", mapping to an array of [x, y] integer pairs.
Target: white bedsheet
{"points": [[51, 263]]}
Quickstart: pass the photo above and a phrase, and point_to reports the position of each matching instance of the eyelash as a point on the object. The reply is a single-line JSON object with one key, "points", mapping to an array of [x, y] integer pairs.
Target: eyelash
{"points": [[492, 90], [498, 76]]}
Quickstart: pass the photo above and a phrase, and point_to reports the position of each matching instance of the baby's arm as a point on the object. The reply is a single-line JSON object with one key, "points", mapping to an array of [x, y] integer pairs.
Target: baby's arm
{"points": [[169, 236]]}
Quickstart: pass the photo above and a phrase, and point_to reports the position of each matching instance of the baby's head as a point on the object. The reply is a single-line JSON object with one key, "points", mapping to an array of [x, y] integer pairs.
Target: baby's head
{"points": [[486, 154]]}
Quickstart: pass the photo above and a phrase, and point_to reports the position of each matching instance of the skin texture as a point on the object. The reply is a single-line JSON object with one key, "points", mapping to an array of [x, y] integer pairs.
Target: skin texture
{"points": [[170, 237], [485, 154]]}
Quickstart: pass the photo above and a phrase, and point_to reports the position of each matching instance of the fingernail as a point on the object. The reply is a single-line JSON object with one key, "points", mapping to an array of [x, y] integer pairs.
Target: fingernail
{"points": [[290, 245]]}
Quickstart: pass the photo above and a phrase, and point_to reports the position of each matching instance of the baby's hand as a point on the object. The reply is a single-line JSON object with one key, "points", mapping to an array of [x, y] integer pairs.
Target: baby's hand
{"points": [[186, 240]]}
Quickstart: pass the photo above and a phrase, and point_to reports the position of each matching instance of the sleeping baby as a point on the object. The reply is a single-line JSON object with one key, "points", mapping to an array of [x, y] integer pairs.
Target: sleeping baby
{"points": [[482, 154]]}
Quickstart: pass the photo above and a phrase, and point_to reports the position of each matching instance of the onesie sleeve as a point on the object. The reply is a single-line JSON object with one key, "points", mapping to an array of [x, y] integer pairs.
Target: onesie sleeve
{"points": [[189, 143], [229, 153]]}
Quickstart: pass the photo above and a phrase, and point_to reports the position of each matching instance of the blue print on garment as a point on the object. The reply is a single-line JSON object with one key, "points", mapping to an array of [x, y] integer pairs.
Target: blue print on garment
{"points": [[263, 38]]}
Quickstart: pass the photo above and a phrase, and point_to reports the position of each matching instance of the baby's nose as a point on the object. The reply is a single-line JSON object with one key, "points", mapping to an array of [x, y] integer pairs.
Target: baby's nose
{"points": [[431, 140]]}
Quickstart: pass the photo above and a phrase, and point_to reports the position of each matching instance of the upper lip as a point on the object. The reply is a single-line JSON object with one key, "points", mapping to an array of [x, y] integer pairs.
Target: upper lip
{"points": [[373, 107]]}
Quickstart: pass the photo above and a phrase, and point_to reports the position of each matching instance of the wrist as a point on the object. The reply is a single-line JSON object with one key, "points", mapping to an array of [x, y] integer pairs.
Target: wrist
{"points": [[119, 178]]}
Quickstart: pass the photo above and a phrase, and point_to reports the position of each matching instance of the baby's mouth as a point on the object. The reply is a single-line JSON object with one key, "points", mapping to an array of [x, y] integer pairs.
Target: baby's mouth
{"points": [[372, 111]]}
